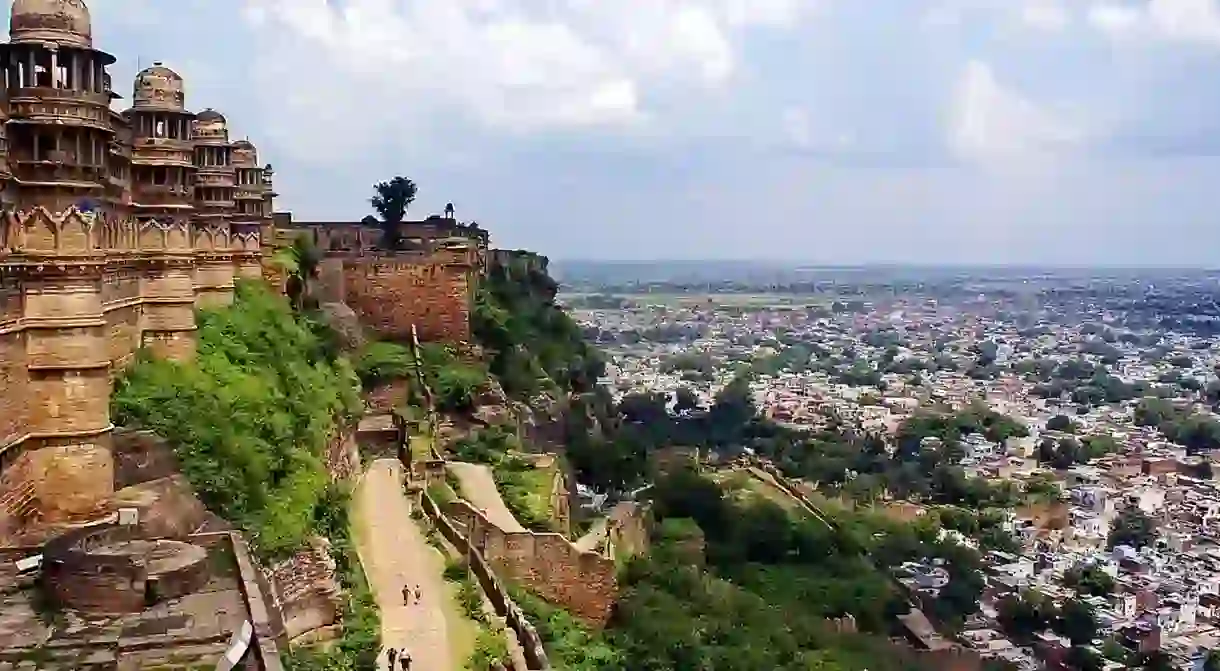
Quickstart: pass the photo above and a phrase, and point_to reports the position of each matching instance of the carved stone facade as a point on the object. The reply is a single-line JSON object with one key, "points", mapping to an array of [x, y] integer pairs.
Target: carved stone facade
{"points": [[113, 228]]}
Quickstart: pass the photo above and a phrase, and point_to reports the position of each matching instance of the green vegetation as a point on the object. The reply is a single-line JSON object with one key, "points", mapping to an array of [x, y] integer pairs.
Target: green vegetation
{"points": [[1133, 528], [489, 647], [390, 200], [742, 584], [1089, 581], [250, 417], [1198, 432], [381, 362], [360, 641], [533, 345], [454, 383], [490, 644], [526, 490]]}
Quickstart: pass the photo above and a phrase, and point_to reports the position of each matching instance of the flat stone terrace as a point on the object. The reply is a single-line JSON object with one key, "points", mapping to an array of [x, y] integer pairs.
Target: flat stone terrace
{"points": [[183, 633]]}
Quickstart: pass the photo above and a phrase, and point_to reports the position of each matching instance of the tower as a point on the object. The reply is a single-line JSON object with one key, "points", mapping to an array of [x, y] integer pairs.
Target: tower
{"points": [[214, 206], [163, 193], [248, 212], [59, 135]]}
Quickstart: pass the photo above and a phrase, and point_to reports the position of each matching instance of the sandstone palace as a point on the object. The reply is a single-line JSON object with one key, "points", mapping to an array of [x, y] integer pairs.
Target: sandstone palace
{"points": [[115, 226]]}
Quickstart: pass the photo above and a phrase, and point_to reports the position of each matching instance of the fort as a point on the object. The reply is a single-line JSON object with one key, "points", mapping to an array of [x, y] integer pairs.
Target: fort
{"points": [[427, 282], [115, 226]]}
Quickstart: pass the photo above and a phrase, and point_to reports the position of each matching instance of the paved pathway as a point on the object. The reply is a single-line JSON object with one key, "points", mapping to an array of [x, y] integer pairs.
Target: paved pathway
{"points": [[395, 552], [479, 487]]}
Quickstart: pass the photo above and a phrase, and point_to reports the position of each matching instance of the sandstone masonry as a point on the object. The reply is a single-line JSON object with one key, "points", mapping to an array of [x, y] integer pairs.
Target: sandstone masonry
{"points": [[115, 226]]}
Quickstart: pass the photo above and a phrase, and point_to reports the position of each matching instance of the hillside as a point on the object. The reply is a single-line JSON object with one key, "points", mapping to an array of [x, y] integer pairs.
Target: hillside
{"points": [[733, 580], [251, 419]]}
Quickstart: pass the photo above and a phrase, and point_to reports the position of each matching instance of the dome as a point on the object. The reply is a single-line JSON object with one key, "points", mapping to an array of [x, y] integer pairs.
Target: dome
{"points": [[63, 22], [211, 116], [159, 88], [210, 128], [244, 154]]}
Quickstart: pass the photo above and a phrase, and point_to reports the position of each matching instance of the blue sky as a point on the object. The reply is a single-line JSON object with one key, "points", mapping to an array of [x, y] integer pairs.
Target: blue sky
{"points": [[960, 131]]}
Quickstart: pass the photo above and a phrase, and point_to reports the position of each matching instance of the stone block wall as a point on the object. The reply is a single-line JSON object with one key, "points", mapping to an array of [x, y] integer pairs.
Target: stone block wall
{"points": [[306, 590], [80, 293], [585, 583], [18, 499], [14, 381], [433, 291], [531, 643]]}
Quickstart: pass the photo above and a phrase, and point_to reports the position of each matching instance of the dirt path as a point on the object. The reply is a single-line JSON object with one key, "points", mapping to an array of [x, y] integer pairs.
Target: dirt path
{"points": [[479, 487], [395, 553]]}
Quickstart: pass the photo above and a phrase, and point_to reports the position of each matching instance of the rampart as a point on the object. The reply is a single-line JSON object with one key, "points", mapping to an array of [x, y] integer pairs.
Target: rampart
{"points": [[527, 636], [79, 295], [392, 292], [585, 583]]}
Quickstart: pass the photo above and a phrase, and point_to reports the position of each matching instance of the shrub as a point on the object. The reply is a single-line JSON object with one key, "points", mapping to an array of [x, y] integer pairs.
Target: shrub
{"points": [[250, 416], [382, 362]]}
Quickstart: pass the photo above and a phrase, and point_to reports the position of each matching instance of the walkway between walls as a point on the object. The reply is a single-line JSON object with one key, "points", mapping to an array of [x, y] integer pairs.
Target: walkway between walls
{"points": [[395, 552]]}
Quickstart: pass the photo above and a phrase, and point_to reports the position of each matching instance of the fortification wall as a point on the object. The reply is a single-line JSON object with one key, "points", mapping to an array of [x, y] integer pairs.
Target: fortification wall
{"points": [[391, 292], [585, 583], [305, 590], [531, 643], [80, 293]]}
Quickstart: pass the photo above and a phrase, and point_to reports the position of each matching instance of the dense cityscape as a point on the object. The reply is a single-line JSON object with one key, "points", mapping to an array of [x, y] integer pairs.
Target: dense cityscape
{"points": [[1095, 501]]}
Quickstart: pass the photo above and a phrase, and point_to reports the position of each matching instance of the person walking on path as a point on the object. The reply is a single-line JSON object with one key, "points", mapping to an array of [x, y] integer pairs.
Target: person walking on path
{"points": [[406, 595], [405, 660], [417, 594], [391, 656]]}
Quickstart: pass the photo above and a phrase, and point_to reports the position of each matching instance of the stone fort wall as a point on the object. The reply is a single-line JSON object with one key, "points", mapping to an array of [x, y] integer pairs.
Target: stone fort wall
{"points": [[79, 294], [585, 583], [392, 292]]}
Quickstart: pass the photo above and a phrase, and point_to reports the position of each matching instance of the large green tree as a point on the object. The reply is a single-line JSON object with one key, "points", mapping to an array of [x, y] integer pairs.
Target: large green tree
{"points": [[391, 200]]}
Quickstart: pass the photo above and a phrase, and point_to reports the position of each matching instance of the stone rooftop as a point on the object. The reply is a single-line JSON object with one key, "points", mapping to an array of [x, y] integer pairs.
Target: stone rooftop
{"points": [[187, 632]]}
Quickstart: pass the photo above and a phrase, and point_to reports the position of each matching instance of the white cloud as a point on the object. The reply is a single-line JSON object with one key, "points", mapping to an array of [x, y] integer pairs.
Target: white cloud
{"points": [[1047, 15], [508, 65], [1195, 21], [992, 124]]}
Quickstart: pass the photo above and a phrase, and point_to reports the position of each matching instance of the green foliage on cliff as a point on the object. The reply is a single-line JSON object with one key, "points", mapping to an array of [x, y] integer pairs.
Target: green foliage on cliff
{"points": [[533, 345], [762, 596], [250, 417], [381, 362]]}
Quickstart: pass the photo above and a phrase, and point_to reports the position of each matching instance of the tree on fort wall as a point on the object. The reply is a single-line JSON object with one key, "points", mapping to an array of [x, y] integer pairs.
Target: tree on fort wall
{"points": [[391, 200], [300, 262]]}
